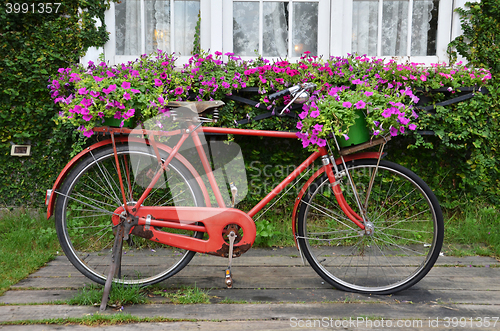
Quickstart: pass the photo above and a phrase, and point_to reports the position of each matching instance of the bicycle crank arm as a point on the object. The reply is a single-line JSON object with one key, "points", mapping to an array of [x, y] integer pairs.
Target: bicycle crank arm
{"points": [[202, 219]]}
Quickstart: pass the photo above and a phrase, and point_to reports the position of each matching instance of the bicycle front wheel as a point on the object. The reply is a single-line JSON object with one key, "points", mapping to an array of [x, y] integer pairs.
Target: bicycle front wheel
{"points": [[407, 228], [91, 194]]}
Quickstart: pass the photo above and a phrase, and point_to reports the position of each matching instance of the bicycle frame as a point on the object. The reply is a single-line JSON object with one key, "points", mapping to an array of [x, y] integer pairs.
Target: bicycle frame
{"points": [[145, 219]]}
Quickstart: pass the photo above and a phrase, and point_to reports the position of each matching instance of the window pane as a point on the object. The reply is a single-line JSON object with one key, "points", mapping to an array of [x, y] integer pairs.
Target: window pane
{"points": [[364, 27], [128, 27], [245, 28], [424, 27], [275, 38], [157, 25], [185, 19], [305, 28], [394, 28]]}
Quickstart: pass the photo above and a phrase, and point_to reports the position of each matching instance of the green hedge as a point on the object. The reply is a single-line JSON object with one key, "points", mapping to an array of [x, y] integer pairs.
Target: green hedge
{"points": [[462, 164], [32, 47]]}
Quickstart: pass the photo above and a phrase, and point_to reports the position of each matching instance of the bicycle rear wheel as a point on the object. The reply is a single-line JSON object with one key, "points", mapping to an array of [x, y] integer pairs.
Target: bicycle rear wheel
{"points": [[407, 230], [91, 193]]}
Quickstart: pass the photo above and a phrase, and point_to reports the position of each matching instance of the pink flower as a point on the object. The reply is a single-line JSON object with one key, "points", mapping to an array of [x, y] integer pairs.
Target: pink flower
{"points": [[393, 131], [161, 100], [412, 127], [317, 129], [125, 85], [360, 104], [303, 114], [110, 89], [82, 91], [179, 90], [158, 82], [368, 93], [110, 74], [133, 90], [299, 125], [129, 113], [87, 117], [347, 104], [94, 94], [315, 113], [126, 96], [346, 137], [321, 142], [88, 133]]}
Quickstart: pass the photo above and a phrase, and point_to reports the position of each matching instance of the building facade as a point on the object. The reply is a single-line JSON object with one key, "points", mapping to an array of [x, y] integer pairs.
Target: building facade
{"points": [[414, 30]]}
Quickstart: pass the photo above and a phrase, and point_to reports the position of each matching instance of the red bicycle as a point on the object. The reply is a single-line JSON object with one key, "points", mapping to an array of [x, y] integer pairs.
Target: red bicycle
{"points": [[148, 199]]}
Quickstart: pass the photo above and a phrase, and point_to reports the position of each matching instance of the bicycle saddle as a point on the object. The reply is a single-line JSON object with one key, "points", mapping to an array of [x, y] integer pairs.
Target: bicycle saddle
{"points": [[197, 106]]}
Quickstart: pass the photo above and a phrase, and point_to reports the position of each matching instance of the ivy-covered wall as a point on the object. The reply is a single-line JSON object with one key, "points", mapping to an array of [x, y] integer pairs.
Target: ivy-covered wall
{"points": [[463, 163], [33, 45]]}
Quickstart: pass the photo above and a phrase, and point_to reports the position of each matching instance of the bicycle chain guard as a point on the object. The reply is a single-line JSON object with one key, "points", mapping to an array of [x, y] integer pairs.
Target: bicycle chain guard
{"points": [[214, 221]]}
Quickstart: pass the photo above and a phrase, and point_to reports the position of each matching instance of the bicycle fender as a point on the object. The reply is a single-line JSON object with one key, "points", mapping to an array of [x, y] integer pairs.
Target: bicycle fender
{"points": [[77, 158], [338, 161]]}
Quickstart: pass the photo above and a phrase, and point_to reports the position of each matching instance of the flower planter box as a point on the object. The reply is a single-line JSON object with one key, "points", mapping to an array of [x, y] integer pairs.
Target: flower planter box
{"points": [[358, 133], [115, 122]]}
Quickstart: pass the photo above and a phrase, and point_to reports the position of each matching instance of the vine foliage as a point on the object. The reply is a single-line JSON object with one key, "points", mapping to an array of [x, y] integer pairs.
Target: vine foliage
{"points": [[32, 48]]}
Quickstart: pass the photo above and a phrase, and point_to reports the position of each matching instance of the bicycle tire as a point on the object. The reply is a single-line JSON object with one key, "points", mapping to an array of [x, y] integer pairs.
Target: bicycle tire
{"points": [[407, 237], [88, 197]]}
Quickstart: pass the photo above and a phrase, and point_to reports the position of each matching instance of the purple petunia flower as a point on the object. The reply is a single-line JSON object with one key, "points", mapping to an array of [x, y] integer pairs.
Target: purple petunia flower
{"points": [[360, 104], [321, 142], [303, 114]]}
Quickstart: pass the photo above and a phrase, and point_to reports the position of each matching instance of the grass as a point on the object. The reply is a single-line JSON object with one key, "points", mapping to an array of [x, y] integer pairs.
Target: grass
{"points": [[27, 242], [186, 295], [98, 320], [473, 230], [119, 296]]}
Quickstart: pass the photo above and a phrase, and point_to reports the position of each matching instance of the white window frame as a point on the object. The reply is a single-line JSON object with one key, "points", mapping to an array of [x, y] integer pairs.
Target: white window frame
{"points": [[342, 21], [334, 31], [323, 27], [110, 47]]}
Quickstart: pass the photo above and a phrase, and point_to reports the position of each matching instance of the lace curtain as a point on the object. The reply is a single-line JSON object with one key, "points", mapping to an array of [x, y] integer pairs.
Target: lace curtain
{"points": [[394, 27], [157, 34], [275, 30]]}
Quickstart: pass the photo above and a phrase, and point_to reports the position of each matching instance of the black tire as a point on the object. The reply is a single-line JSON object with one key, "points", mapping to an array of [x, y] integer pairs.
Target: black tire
{"points": [[91, 193], [407, 238]]}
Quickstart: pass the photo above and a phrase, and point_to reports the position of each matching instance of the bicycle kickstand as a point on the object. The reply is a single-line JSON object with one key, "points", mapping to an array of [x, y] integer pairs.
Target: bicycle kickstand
{"points": [[116, 256], [229, 278]]}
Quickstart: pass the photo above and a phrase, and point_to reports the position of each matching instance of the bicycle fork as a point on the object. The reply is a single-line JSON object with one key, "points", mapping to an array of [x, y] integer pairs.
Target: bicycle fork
{"points": [[360, 220]]}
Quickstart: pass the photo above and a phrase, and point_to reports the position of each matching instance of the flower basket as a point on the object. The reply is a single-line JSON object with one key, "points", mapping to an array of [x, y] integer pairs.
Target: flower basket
{"points": [[358, 133], [115, 122]]}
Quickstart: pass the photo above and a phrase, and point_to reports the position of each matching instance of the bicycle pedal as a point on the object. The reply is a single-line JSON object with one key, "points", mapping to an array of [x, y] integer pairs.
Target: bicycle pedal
{"points": [[229, 279]]}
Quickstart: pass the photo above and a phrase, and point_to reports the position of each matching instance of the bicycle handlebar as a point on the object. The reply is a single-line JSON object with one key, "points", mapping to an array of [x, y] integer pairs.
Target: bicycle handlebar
{"points": [[293, 89], [278, 94]]}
